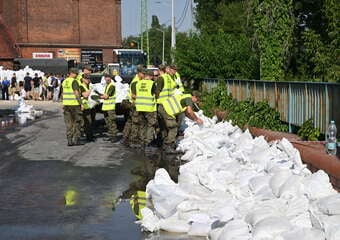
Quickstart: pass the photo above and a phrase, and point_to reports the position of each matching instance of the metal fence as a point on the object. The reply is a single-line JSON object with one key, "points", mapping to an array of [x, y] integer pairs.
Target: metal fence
{"points": [[296, 101]]}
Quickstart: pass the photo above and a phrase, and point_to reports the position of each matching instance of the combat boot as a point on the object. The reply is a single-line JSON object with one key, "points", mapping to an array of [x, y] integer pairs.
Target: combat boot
{"points": [[168, 149], [69, 142], [115, 140], [77, 142]]}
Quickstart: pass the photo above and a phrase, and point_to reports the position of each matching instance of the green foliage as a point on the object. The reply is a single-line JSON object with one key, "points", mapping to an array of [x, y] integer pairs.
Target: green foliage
{"points": [[242, 113], [219, 55], [273, 24], [308, 132]]}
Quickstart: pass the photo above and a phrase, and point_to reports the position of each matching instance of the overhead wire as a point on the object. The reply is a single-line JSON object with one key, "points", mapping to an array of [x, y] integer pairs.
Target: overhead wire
{"points": [[184, 14]]}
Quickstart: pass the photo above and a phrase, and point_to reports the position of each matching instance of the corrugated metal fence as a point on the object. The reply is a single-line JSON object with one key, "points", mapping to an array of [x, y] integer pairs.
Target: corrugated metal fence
{"points": [[296, 101]]}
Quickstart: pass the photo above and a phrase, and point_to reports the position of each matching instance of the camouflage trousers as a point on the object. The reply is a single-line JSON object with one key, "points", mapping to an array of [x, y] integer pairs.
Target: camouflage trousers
{"points": [[147, 124], [110, 121], [132, 131], [72, 118], [169, 126], [87, 118]]}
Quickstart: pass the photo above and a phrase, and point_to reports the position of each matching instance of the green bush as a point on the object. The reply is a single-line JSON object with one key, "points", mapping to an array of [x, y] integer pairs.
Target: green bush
{"points": [[242, 113]]}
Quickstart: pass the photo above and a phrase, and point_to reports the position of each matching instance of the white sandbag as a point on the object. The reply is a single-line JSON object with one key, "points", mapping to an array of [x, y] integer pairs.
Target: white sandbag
{"points": [[164, 193], [331, 226], [270, 227], [199, 229], [173, 224], [318, 185], [223, 212], [297, 206], [303, 234], [279, 178], [292, 187], [259, 214], [292, 152], [150, 222], [302, 220], [259, 182], [330, 205], [235, 230], [214, 234]]}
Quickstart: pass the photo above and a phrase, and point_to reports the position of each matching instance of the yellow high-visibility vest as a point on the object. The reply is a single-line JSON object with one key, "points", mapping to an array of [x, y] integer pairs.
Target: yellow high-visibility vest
{"points": [[173, 106], [135, 79], [110, 103], [138, 202], [79, 78], [168, 88], [145, 100], [84, 100], [69, 98], [179, 83]]}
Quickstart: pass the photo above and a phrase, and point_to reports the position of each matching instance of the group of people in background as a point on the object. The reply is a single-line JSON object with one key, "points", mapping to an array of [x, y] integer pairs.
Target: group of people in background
{"points": [[33, 87], [156, 106]]}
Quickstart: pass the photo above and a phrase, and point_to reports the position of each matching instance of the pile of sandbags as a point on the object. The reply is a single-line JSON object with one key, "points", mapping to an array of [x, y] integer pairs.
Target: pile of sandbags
{"points": [[20, 74], [26, 112], [234, 186]]}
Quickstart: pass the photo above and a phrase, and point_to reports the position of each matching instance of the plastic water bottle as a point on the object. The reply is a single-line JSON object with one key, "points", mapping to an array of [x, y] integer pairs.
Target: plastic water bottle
{"points": [[331, 139]]}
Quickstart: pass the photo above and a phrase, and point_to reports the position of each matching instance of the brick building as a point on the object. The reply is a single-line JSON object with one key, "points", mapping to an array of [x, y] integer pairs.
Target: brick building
{"points": [[78, 30]]}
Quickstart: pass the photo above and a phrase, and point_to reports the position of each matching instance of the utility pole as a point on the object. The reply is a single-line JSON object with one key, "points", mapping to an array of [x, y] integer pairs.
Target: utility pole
{"points": [[173, 30], [144, 39]]}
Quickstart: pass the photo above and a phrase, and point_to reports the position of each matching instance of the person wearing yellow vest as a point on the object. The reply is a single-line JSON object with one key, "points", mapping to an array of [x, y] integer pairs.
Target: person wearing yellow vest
{"points": [[172, 107], [143, 93], [85, 93], [176, 78], [86, 70], [72, 106], [131, 129], [165, 85], [109, 108]]}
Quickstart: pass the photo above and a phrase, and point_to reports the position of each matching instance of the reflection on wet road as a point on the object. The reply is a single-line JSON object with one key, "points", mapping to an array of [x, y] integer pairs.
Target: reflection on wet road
{"points": [[33, 203], [50, 192]]}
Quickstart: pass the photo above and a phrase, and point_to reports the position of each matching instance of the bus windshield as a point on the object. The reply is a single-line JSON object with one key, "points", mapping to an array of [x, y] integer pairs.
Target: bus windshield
{"points": [[128, 62]]}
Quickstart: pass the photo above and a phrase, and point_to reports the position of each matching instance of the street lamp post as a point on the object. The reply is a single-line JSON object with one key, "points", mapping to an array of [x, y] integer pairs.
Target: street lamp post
{"points": [[163, 49], [173, 29]]}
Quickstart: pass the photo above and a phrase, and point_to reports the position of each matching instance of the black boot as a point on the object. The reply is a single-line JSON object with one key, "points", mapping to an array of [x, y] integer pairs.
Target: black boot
{"points": [[77, 142], [69, 142], [115, 140], [168, 149]]}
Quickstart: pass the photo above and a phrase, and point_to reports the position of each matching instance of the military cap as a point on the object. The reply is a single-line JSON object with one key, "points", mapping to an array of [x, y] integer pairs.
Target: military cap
{"points": [[196, 94], [73, 70], [107, 75], [173, 66], [140, 67], [149, 72]]}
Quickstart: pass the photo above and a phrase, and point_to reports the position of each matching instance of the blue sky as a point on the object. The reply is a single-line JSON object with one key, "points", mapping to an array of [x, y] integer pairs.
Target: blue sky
{"points": [[161, 8]]}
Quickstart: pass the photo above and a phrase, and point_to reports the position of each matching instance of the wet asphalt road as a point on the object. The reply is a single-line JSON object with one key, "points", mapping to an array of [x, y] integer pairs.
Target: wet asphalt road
{"points": [[37, 171]]}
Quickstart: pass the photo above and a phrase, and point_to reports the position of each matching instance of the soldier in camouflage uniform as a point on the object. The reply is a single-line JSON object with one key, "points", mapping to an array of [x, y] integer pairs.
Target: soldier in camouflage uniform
{"points": [[109, 107], [131, 130], [72, 106], [144, 92]]}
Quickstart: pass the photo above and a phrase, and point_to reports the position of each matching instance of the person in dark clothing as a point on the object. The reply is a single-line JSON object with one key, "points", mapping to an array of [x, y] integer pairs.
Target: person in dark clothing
{"points": [[5, 86], [27, 85], [13, 88], [36, 87]]}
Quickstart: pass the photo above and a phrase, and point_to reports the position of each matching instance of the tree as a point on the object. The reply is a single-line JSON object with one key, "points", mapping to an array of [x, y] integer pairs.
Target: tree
{"points": [[220, 55], [273, 24]]}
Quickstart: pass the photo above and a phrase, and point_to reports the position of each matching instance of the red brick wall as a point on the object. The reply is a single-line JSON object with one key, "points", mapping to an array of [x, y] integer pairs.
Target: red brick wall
{"points": [[98, 22], [51, 21], [95, 22]]}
